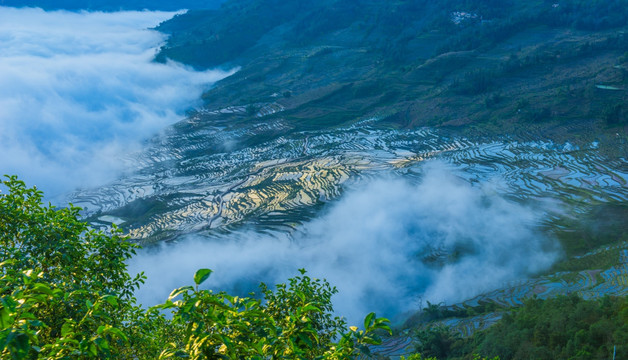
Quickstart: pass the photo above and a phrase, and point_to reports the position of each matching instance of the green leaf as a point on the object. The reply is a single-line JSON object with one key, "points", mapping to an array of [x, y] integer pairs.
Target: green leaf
{"points": [[368, 320], [92, 350], [112, 300], [43, 288], [67, 329], [27, 316], [5, 318], [36, 323], [179, 291], [383, 323], [226, 341], [181, 354], [115, 331], [21, 344], [103, 344], [310, 308], [8, 263], [201, 275], [365, 349], [372, 340]]}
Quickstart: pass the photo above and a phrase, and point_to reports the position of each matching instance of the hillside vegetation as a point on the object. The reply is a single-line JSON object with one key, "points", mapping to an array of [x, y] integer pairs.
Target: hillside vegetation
{"points": [[545, 68], [565, 327]]}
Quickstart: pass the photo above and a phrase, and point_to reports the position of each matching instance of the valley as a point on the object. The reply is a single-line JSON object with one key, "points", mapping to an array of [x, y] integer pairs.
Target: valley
{"points": [[445, 164]]}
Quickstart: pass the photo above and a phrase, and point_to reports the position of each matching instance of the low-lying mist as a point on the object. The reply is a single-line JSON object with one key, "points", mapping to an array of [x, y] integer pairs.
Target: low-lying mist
{"points": [[80, 91], [384, 245]]}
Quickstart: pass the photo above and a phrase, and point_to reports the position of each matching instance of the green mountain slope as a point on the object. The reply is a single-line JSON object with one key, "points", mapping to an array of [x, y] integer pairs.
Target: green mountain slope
{"points": [[530, 67]]}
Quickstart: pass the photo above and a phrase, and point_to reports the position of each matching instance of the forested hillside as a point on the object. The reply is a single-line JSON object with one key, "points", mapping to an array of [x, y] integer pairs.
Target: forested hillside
{"points": [[499, 66], [565, 327]]}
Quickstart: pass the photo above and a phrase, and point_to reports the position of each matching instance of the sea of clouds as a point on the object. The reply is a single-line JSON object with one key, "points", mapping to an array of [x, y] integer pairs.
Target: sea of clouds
{"points": [[372, 245], [80, 92]]}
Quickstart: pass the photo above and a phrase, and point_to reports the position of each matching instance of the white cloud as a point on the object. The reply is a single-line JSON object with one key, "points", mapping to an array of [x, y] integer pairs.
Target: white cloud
{"points": [[80, 90], [372, 244]]}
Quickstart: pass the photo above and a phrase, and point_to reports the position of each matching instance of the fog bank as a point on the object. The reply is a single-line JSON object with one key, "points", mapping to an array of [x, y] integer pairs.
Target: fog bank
{"points": [[80, 92], [384, 245]]}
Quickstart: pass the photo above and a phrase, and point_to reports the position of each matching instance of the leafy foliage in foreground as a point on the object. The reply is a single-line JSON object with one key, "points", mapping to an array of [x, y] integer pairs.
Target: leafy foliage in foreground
{"points": [[64, 287], [65, 294]]}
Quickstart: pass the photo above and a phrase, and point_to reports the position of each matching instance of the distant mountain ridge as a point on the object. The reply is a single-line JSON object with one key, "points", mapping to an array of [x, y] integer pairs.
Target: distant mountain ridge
{"points": [[107, 5]]}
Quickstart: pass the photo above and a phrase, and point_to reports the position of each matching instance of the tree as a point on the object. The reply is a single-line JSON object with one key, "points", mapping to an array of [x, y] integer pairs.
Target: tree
{"points": [[64, 288], [293, 322], [65, 293]]}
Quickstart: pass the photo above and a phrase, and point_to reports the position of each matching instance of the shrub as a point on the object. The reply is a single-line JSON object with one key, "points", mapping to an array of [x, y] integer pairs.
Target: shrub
{"points": [[65, 294], [64, 287]]}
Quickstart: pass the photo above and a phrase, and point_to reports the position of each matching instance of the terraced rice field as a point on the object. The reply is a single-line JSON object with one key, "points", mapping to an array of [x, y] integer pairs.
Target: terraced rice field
{"points": [[203, 178], [393, 347]]}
